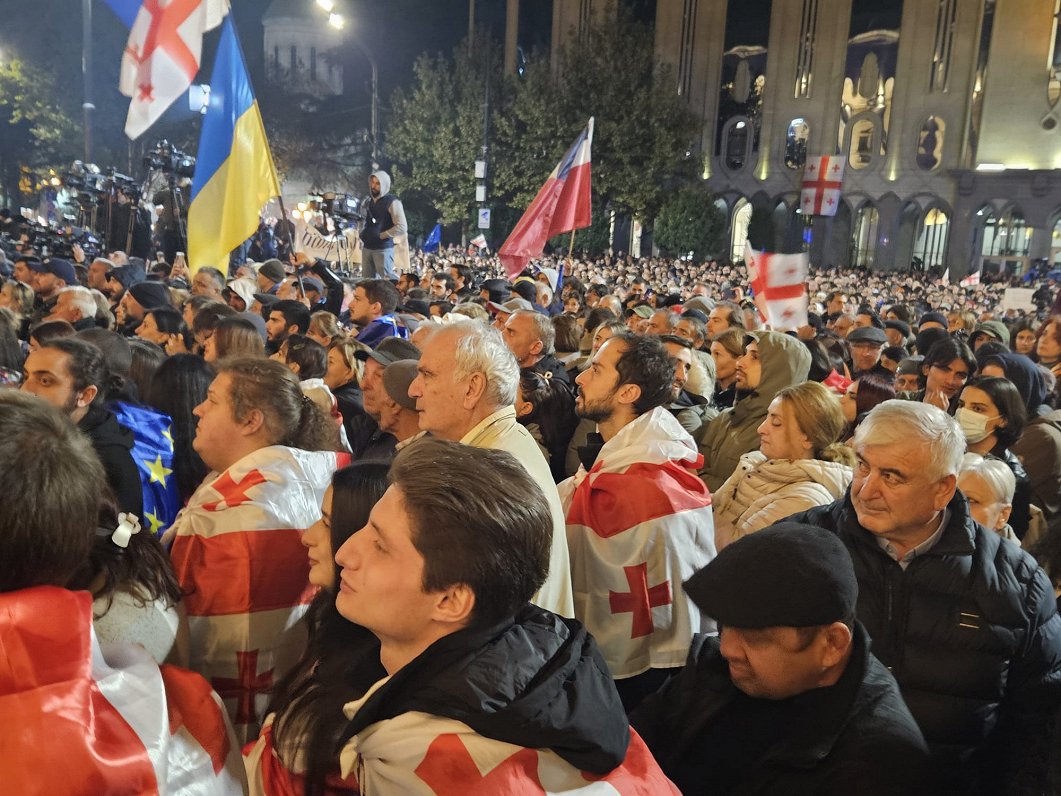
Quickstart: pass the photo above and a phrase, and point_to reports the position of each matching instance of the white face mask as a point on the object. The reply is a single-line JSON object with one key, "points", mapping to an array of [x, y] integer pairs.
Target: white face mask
{"points": [[973, 424]]}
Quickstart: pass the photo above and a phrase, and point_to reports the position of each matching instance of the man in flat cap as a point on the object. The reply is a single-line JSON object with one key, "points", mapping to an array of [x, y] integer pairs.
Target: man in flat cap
{"points": [[787, 698]]}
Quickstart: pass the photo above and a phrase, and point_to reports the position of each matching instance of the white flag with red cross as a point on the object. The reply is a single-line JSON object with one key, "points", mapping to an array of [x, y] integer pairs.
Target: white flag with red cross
{"points": [[239, 559], [779, 281], [162, 56], [822, 178], [639, 524]]}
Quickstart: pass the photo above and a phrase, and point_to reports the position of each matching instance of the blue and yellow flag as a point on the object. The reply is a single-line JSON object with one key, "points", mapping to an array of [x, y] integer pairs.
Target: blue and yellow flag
{"points": [[234, 175]]}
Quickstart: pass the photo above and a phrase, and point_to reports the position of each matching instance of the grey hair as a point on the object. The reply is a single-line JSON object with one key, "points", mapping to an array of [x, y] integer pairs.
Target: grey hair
{"points": [[82, 299], [994, 472], [474, 311], [479, 348], [915, 424], [544, 326]]}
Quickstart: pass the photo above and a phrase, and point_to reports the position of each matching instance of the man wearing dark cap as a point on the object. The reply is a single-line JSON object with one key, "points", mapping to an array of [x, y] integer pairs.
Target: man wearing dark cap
{"points": [[866, 344], [368, 440], [270, 275], [897, 332], [47, 279], [788, 697], [138, 300], [932, 320], [397, 411]]}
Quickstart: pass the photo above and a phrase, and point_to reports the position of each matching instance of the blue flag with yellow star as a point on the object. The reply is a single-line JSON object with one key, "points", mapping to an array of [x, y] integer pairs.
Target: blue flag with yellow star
{"points": [[153, 453]]}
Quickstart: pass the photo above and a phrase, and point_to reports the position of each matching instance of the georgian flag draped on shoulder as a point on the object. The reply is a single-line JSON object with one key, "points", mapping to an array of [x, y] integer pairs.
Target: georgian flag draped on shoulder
{"points": [[417, 754], [240, 562], [779, 283], [162, 54], [79, 719], [563, 204], [822, 178], [639, 524]]}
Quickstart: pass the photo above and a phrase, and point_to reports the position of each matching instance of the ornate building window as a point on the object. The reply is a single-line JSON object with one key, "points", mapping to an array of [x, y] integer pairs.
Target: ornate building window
{"points": [[796, 143], [742, 218], [1006, 235], [931, 244], [808, 26], [939, 76], [930, 143], [688, 41], [863, 145], [864, 240], [1053, 86], [736, 144]]}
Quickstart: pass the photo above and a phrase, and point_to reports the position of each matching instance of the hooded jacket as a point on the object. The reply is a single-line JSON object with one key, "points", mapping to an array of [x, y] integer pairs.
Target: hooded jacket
{"points": [[384, 216], [114, 445], [722, 441], [528, 695]]}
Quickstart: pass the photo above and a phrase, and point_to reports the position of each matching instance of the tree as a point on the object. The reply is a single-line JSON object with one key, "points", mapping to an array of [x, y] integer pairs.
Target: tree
{"points": [[436, 131], [690, 222], [35, 131]]}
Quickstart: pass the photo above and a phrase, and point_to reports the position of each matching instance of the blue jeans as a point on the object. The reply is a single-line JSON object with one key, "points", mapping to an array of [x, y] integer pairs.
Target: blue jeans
{"points": [[378, 263]]}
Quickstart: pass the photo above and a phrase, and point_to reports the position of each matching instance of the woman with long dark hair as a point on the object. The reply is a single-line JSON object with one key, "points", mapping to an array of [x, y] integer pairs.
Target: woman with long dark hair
{"points": [[297, 746]]}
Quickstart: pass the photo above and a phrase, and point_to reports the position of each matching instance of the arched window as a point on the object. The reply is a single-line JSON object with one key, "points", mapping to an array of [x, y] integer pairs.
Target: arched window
{"points": [[796, 144], [1006, 235], [864, 240], [1053, 85], [736, 143], [931, 244], [1055, 244], [742, 217], [863, 145], [930, 143]]}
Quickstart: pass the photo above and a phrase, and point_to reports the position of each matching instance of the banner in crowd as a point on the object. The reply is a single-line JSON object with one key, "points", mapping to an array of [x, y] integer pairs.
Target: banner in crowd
{"points": [[822, 178], [234, 175], [162, 54], [344, 248], [562, 205], [779, 283]]}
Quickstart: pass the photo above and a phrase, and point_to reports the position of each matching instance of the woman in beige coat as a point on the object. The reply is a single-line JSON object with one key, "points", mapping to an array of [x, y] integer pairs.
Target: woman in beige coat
{"points": [[800, 464]]}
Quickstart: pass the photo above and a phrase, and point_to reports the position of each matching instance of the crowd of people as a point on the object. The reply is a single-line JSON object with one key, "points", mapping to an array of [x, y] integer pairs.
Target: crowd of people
{"points": [[290, 531]]}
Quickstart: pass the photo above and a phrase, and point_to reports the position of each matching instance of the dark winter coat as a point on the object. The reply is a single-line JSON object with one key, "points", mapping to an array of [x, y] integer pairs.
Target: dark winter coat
{"points": [[113, 445]]}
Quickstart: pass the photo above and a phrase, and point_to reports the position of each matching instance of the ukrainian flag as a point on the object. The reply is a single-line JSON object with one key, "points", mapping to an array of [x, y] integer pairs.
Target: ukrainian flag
{"points": [[234, 174]]}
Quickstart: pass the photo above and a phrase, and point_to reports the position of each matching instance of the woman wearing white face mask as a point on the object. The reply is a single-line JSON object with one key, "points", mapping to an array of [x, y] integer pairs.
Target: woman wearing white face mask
{"points": [[991, 415]]}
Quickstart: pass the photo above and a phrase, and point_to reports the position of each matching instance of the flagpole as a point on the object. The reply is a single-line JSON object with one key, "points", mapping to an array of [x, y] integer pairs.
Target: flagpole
{"points": [[571, 248], [287, 227]]}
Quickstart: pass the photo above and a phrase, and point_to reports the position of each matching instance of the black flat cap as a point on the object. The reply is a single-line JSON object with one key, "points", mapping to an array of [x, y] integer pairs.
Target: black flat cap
{"points": [[786, 575]]}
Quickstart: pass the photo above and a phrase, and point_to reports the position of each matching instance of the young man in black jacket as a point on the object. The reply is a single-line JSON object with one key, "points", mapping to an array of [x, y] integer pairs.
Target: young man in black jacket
{"points": [[788, 698]]}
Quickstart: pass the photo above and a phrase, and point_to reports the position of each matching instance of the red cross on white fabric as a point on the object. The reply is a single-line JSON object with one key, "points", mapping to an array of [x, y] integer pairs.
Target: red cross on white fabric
{"points": [[233, 492], [164, 33], [640, 600], [449, 770], [818, 178], [247, 685]]}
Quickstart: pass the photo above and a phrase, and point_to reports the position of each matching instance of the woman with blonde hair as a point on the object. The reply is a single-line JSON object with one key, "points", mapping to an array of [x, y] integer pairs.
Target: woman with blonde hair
{"points": [[800, 464], [324, 328]]}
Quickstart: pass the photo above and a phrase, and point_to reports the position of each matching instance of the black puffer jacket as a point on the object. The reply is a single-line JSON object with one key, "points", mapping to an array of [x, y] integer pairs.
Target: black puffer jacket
{"points": [[971, 632], [855, 737], [114, 445], [537, 680]]}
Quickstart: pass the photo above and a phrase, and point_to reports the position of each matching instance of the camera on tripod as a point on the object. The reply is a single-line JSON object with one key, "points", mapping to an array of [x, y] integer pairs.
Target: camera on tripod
{"points": [[168, 159]]}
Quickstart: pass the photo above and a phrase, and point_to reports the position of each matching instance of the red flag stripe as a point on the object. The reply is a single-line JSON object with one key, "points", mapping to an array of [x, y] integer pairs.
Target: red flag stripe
{"points": [[610, 503], [242, 571]]}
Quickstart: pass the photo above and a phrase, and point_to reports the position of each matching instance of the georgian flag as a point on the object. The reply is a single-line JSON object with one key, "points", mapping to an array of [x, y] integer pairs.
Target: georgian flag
{"points": [[779, 282], [162, 55], [639, 524], [81, 719], [417, 754], [822, 178], [239, 559]]}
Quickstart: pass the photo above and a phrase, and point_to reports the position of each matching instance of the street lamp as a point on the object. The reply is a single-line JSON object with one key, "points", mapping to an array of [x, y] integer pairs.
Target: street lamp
{"points": [[336, 20], [327, 5]]}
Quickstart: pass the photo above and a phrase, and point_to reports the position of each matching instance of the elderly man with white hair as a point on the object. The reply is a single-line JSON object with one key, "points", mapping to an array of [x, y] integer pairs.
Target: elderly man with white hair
{"points": [[77, 306], [966, 621], [465, 391]]}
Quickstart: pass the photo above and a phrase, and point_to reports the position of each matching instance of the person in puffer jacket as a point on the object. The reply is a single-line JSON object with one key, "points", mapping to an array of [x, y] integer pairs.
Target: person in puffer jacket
{"points": [[965, 621], [800, 464]]}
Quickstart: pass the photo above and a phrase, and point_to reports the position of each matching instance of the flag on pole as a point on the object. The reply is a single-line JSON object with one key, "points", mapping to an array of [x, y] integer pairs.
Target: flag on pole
{"points": [[779, 282], [234, 175], [971, 280], [563, 204], [822, 177], [434, 239], [162, 53], [479, 241]]}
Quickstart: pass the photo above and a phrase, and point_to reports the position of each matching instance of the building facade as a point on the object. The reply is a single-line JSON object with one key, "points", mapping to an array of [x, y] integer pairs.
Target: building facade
{"points": [[946, 111], [301, 53]]}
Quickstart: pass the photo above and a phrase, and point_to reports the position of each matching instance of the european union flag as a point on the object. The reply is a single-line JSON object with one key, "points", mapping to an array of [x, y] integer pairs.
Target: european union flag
{"points": [[434, 240], [153, 453]]}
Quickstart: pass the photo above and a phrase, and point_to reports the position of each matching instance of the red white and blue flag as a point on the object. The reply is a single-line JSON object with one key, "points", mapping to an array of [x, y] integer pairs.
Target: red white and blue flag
{"points": [[162, 54], [822, 178], [563, 204]]}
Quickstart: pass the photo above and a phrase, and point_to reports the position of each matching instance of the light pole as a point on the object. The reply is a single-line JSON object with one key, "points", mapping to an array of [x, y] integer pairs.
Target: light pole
{"points": [[86, 73], [337, 21]]}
